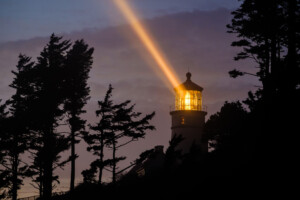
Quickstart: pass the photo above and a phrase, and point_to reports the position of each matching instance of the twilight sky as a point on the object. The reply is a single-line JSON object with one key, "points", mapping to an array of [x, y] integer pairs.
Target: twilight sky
{"points": [[34, 18], [191, 33]]}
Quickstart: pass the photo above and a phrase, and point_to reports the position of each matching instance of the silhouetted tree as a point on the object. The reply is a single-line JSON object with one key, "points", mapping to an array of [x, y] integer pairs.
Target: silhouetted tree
{"points": [[268, 33], [47, 109], [78, 65], [173, 154], [98, 138], [117, 122], [230, 121], [16, 142], [126, 125], [36, 167], [89, 175], [4, 174], [258, 25], [228, 131]]}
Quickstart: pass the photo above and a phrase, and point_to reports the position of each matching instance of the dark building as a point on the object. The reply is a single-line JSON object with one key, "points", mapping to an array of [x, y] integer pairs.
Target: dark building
{"points": [[188, 115], [151, 164]]}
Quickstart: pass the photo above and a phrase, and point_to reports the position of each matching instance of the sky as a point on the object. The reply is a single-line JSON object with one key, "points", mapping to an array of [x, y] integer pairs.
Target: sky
{"points": [[191, 33], [34, 18]]}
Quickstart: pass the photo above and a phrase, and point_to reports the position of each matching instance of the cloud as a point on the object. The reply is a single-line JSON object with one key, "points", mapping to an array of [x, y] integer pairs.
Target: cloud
{"points": [[195, 40]]}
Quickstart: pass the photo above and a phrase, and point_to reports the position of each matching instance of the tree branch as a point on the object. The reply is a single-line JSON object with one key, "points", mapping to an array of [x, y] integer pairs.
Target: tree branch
{"points": [[125, 143]]}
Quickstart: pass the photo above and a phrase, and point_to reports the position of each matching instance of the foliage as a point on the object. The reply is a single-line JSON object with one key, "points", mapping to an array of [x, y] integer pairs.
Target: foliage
{"points": [[229, 132], [268, 33], [17, 133], [45, 92], [78, 65], [173, 154], [117, 122], [49, 95], [98, 139], [4, 174]]}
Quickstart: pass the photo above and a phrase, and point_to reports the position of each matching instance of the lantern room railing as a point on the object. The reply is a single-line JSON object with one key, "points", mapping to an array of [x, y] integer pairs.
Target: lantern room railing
{"points": [[199, 108]]}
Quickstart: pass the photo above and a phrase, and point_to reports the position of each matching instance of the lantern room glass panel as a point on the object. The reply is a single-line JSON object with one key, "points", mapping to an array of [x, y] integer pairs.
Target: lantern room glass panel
{"points": [[188, 100]]}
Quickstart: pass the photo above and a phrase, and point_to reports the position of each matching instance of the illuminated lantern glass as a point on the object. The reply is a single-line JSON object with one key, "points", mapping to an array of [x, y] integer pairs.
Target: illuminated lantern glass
{"points": [[188, 96]]}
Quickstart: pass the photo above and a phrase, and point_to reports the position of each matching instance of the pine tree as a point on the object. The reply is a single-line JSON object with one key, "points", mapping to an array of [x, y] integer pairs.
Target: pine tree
{"points": [[4, 174], [173, 154], [118, 122], [36, 167], [258, 25], [47, 110], [18, 133], [229, 133], [127, 127], [98, 138], [268, 33], [78, 65]]}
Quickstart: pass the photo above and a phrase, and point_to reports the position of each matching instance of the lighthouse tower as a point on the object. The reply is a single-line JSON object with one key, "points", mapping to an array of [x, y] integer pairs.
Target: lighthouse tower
{"points": [[188, 115]]}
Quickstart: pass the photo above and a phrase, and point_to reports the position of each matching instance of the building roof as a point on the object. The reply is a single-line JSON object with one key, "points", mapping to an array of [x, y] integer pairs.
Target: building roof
{"points": [[188, 84], [151, 164]]}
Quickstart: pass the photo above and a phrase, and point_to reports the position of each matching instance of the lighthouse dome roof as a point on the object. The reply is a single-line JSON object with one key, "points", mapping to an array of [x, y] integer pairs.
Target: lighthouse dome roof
{"points": [[189, 84]]}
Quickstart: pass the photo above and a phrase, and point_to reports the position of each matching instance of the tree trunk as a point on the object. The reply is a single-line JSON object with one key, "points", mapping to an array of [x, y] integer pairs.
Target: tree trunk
{"points": [[47, 187], [41, 182], [15, 177], [101, 161], [114, 163], [72, 181], [291, 71], [48, 170], [266, 76]]}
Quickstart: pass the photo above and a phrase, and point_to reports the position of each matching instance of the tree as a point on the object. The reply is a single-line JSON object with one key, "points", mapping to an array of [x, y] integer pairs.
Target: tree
{"points": [[258, 24], [16, 142], [38, 154], [268, 33], [118, 122], [78, 65], [226, 128], [4, 182], [97, 139], [230, 133], [126, 125], [173, 154], [36, 167], [229, 122], [48, 81]]}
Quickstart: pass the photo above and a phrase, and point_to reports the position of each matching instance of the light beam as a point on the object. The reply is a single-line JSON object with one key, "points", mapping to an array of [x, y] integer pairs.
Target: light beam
{"points": [[148, 42]]}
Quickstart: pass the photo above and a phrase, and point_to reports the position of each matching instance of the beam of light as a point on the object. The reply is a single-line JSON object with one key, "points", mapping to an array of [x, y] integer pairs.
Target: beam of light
{"points": [[148, 42]]}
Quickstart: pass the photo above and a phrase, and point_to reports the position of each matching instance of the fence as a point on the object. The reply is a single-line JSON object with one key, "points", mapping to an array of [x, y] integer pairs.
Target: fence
{"points": [[37, 196], [30, 198], [197, 108]]}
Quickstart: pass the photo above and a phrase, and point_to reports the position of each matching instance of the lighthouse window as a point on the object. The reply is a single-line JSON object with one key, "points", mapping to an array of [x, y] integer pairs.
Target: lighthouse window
{"points": [[182, 120]]}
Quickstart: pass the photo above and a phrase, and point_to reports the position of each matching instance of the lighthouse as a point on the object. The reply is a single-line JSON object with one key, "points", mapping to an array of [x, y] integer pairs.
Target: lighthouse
{"points": [[188, 115]]}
